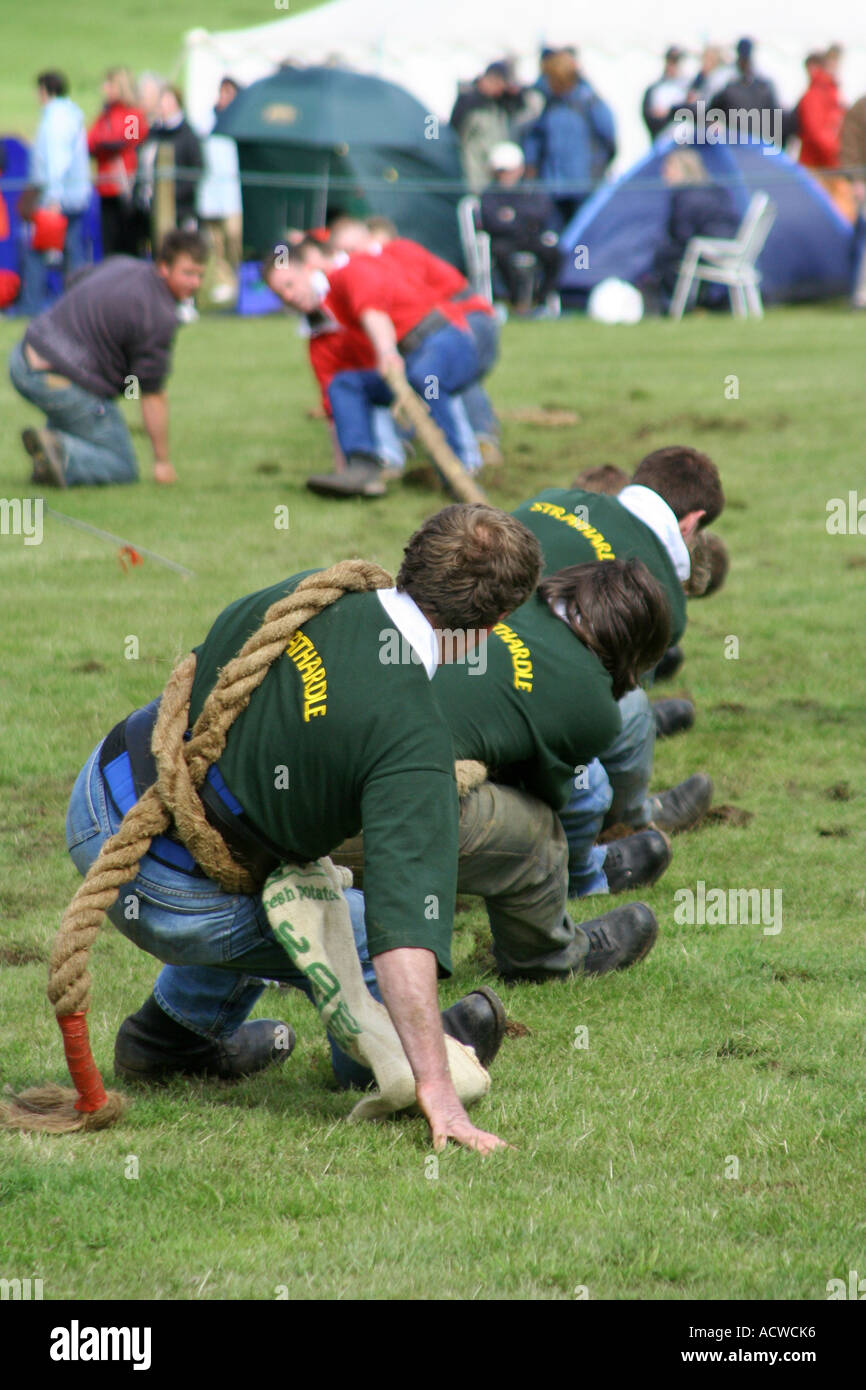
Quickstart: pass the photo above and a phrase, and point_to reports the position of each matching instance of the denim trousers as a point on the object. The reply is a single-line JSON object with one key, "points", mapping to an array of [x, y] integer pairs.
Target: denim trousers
{"points": [[613, 789], [34, 265], [217, 947], [440, 368], [94, 440]]}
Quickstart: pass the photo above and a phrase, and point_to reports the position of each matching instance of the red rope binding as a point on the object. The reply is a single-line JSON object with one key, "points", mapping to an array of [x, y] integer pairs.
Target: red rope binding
{"points": [[79, 1059]]}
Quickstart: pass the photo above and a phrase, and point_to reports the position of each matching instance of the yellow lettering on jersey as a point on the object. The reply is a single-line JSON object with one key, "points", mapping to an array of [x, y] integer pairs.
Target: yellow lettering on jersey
{"points": [[521, 657], [312, 673], [603, 549]]}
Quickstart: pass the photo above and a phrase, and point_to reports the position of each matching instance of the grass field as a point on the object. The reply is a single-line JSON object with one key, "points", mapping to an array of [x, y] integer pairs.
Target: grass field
{"points": [[83, 40], [725, 1044]]}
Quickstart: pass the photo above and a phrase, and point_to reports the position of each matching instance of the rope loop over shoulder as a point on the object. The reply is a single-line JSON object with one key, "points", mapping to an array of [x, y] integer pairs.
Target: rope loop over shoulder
{"points": [[182, 765]]}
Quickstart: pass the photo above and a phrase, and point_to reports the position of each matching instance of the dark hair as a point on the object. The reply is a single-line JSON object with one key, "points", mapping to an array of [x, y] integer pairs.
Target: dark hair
{"points": [[229, 82], [619, 611], [54, 83], [606, 478], [469, 565], [687, 480], [177, 243], [710, 565]]}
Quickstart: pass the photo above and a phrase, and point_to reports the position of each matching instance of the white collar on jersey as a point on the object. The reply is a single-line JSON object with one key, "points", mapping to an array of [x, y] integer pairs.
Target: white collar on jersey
{"points": [[655, 513], [411, 624]]}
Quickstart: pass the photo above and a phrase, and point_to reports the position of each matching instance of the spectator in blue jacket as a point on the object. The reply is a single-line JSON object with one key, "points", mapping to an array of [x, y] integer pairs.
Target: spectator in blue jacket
{"points": [[59, 180], [573, 141]]}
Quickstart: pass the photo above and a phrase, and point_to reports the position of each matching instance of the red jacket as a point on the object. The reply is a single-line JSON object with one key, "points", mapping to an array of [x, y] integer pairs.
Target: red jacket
{"points": [[112, 140], [820, 114]]}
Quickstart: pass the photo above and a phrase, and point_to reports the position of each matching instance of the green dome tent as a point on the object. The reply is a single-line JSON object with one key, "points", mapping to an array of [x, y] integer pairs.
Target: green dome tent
{"points": [[316, 141]]}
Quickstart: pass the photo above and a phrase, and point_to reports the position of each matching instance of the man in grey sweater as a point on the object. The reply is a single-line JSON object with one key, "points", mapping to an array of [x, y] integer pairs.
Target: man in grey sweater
{"points": [[110, 334]]}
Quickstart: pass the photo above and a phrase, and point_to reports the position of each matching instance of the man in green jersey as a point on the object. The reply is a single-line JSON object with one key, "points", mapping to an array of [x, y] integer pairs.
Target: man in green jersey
{"points": [[675, 492], [544, 700], [333, 740]]}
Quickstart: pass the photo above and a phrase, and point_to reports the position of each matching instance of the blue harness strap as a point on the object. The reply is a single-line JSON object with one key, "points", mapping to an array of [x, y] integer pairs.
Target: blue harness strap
{"points": [[118, 778]]}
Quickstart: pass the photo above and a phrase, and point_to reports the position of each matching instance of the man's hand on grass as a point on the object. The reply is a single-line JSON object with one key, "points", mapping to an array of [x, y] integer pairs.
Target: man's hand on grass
{"points": [[448, 1120], [163, 472]]}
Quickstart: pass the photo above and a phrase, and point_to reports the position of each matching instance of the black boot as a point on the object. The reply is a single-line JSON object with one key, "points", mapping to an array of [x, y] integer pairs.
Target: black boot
{"points": [[363, 476], [151, 1046], [619, 939], [684, 805], [669, 664], [636, 860], [477, 1020], [672, 716]]}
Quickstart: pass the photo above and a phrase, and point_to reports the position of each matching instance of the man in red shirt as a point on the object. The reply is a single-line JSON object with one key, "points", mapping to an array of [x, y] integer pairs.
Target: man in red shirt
{"points": [[378, 236], [406, 322]]}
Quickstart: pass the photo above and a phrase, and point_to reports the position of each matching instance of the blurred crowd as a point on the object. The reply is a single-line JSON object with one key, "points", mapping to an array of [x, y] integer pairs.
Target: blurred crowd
{"points": [[151, 171], [534, 153], [531, 154]]}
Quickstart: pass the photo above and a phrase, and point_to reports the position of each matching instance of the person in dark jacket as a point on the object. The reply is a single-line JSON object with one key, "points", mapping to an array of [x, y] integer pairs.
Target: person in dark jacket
{"points": [[748, 91], [665, 96], [169, 195], [519, 221], [697, 208], [483, 116]]}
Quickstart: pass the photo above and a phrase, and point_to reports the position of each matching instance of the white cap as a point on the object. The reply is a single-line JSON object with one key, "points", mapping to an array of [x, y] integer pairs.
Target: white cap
{"points": [[506, 156]]}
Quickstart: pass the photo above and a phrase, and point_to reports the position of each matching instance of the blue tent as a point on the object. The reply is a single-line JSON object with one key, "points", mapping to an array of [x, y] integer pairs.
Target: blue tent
{"points": [[807, 255]]}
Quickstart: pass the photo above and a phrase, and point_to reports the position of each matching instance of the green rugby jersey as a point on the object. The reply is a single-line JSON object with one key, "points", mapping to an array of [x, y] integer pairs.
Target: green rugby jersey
{"points": [[611, 532], [542, 708], [336, 740]]}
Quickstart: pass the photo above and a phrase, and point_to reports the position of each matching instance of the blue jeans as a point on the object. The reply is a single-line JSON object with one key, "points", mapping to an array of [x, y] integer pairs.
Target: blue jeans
{"points": [[485, 334], [94, 440], [443, 366], [34, 266], [616, 791], [217, 947]]}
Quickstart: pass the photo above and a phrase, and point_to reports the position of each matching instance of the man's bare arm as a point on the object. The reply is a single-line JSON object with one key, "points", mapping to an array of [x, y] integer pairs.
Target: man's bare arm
{"points": [[154, 416], [381, 332], [407, 979]]}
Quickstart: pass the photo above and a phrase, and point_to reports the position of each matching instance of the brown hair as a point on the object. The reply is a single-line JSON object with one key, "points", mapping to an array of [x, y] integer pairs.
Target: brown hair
{"points": [[619, 611], [606, 478], [687, 480], [469, 565], [710, 565], [382, 225], [177, 243]]}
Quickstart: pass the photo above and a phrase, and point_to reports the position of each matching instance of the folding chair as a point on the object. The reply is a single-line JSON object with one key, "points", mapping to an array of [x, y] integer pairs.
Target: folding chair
{"points": [[731, 262], [476, 246]]}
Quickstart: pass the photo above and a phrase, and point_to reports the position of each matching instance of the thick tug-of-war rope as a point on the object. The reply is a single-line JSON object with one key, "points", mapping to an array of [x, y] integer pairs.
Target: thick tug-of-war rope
{"points": [[173, 799]]}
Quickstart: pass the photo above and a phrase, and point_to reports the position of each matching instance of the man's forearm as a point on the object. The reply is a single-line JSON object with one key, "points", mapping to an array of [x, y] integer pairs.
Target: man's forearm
{"points": [[154, 415], [382, 334], [407, 979]]}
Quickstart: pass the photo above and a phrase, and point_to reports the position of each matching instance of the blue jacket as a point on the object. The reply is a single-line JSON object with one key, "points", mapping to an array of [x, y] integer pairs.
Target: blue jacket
{"points": [[59, 162], [573, 140]]}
